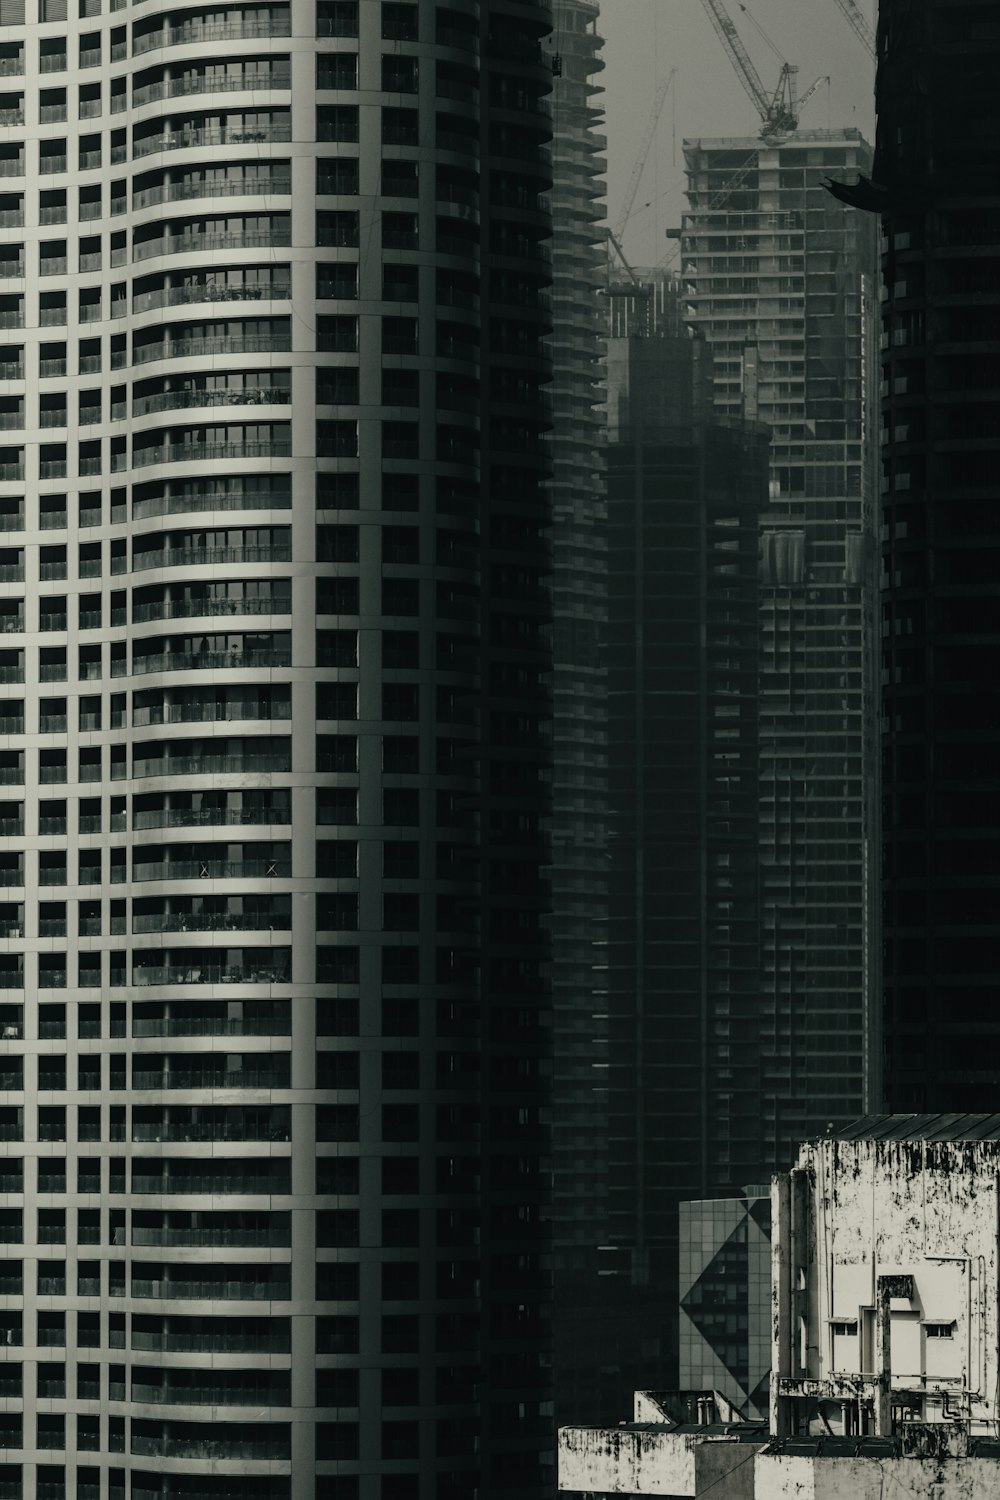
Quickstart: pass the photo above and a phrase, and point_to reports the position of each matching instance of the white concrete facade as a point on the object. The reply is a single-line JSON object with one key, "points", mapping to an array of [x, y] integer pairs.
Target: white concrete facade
{"points": [[654, 1461], [241, 621], [885, 1286], [779, 1476]]}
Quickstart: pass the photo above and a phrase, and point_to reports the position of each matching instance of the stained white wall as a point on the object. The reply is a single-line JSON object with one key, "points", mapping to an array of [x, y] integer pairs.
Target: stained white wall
{"points": [[926, 1210]]}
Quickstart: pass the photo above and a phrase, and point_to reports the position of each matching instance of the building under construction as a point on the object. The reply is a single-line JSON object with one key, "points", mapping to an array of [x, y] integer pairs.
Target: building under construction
{"points": [[780, 280]]}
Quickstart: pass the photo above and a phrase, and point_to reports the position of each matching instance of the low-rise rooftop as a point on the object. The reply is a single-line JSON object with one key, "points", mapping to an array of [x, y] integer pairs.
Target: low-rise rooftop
{"points": [[922, 1128]]}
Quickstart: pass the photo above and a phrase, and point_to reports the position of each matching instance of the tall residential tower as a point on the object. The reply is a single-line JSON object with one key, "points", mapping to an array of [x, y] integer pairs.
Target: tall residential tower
{"points": [[779, 279], [274, 760], [579, 772]]}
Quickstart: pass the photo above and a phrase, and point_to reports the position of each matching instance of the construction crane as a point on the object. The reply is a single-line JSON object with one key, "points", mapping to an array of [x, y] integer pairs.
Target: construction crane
{"points": [[779, 111], [856, 20], [640, 161]]}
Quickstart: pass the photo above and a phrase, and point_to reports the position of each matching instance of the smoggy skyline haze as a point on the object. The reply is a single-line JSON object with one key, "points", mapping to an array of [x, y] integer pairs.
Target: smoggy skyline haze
{"points": [[644, 39]]}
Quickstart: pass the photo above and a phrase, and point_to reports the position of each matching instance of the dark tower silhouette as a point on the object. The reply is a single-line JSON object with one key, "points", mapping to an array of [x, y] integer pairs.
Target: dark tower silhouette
{"points": [[935, 181], [685, 491]]}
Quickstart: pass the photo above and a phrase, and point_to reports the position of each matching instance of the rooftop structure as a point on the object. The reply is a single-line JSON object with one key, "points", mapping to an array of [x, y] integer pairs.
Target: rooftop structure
{"points": [[886, 1280], [660, 1452]]}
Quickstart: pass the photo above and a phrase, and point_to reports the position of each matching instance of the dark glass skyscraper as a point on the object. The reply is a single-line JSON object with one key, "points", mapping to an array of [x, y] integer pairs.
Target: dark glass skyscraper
{"points": [[935, 182], [685, 492]]}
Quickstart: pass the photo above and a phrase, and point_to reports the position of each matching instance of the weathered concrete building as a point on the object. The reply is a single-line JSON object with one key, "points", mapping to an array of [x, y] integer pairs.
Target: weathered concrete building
{"points": [[921, 1467], [885, 1290], [663, 1452], [885, 1279]]}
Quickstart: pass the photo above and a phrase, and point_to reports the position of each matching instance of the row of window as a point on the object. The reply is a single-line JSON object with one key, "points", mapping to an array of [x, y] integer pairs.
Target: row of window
{"points": [[228, 1440], [400, 597], [156, 1124], [400, 703], [236, 179], [261, 1016], [179, 1228], [185, 549], [261, 491], [333, 17], [335, 965], [399, 22], [181, 809], [335, 912], [452, 444], [334, 753]]}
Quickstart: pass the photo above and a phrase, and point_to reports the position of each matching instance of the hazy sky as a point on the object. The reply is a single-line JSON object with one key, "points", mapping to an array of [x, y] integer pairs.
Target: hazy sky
{"points": [[644, 39]]}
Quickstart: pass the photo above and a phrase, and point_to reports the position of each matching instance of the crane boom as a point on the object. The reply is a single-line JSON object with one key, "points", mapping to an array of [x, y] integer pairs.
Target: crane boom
{"points": [[738, 56], [823, 78], [640, 161], [856, 20]]}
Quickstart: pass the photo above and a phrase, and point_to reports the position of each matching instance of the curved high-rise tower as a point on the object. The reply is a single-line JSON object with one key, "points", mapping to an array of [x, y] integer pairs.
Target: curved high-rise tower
{"points": [[272, 494]]}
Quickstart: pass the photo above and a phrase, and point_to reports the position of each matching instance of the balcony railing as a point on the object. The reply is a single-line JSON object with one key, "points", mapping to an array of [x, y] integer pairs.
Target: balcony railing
{"points": [[173, 921], [210, 713], [226, 1125], [205, 1288], [205, 661], [212, 869], [209, 1078], [276, 133], [184, 765], [201, 453], [179, 296], [225, 817], [278, 238], [192, 558], [191, 36], [274, 395], [201, 1024], [197, 348], [272, 1233], [266, 79], [174, 192], [190, 609]]}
